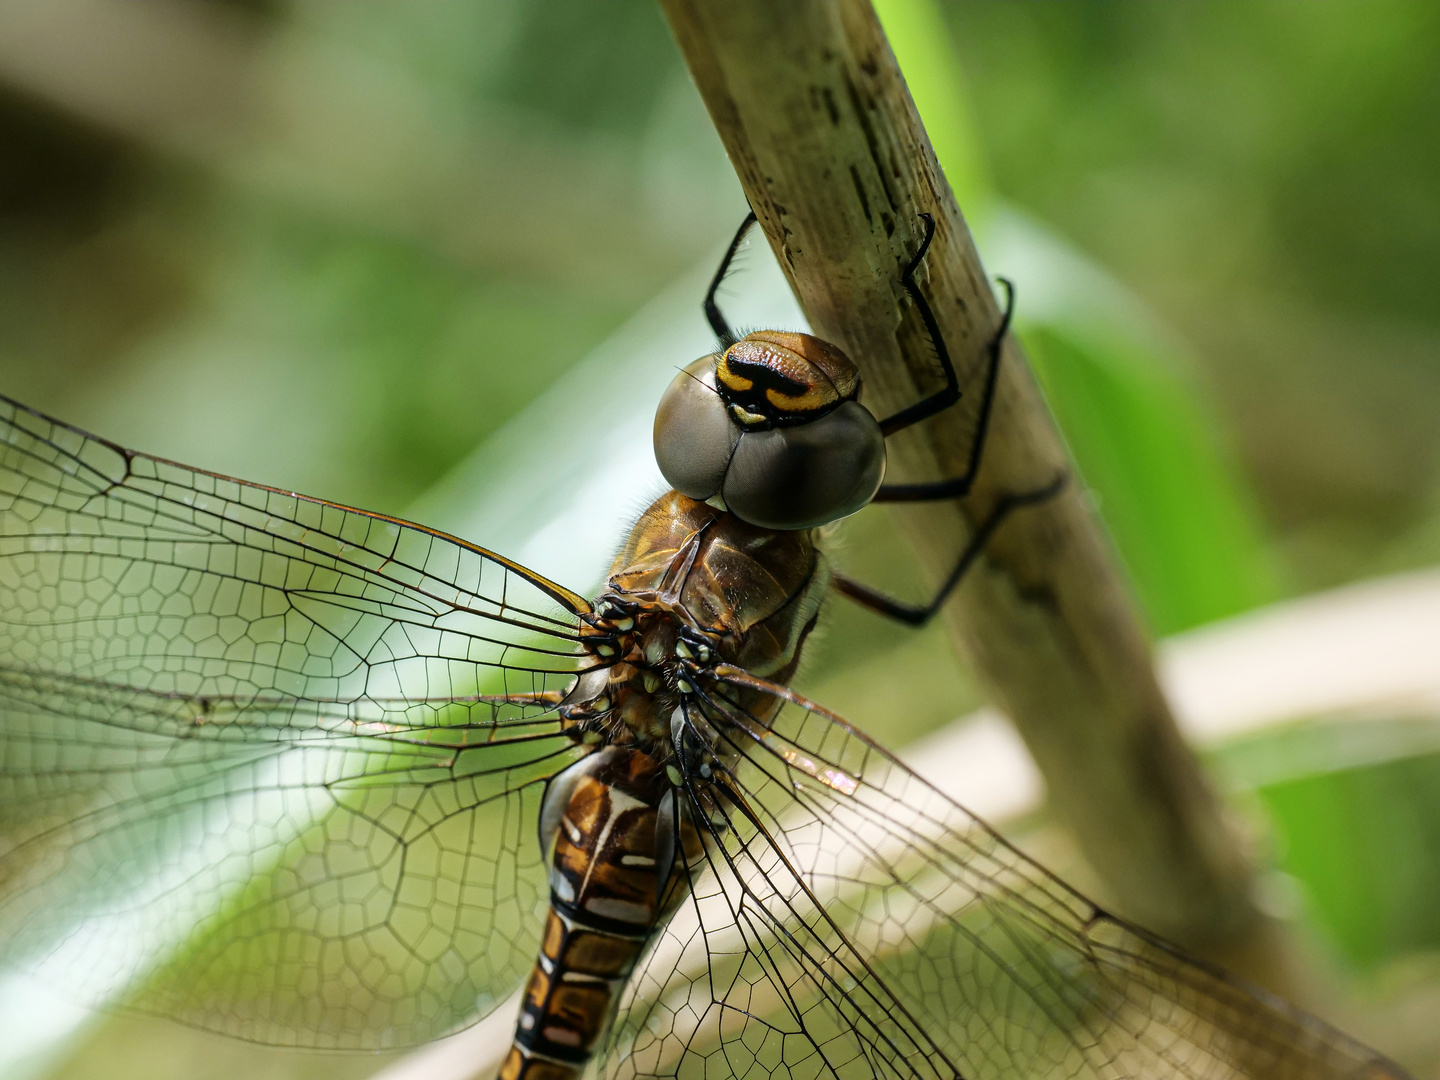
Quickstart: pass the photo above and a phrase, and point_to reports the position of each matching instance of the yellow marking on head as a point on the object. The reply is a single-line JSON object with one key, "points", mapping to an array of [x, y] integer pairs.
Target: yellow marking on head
{"points": [[791, 374], [745, 416], [729, 379], [812, 400]]}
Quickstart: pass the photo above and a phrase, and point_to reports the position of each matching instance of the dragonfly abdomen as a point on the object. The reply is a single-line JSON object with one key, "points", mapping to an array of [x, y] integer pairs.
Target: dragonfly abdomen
{"points": [[613, 884]]}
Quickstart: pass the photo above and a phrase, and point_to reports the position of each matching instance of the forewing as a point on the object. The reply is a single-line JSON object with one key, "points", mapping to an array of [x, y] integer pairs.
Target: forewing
{"points": [[885, 899], [267, 764], [752, 978]]}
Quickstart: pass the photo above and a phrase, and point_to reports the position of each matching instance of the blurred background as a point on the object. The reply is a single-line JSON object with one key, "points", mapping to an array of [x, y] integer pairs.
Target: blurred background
{"points": [[365, 250]]}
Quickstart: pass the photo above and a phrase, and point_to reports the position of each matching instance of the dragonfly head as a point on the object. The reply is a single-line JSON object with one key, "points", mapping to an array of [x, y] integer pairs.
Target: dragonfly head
{"points": [[773, 428]]}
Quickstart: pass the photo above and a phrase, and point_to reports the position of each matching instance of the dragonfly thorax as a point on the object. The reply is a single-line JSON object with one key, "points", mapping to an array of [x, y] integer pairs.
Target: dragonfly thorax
{"points": [[642, 652], [773, 429], [693, 586]]}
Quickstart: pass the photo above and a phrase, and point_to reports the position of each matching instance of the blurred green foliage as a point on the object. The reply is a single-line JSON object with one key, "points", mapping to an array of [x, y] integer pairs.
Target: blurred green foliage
{"points": [[1363, 840], [351, 240], [1354, 808], [1182, 523], [1265, 180], [505, 182]]}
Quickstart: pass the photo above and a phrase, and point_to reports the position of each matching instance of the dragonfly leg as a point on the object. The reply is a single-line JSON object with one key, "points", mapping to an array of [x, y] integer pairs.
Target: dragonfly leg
{"points": [[920, 614], [712, 309], [954, 487], [957, 486]]}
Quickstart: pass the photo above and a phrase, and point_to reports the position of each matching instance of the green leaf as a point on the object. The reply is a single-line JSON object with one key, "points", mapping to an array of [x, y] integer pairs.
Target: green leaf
{"points": [[1354, 811], [1144, 442]]}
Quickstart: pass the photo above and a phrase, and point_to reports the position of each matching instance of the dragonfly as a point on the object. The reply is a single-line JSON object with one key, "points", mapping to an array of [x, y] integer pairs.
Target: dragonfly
{"points": [[313, 776]]}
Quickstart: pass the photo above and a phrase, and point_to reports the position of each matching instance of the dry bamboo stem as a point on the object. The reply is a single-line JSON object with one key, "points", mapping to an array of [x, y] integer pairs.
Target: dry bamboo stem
{"points": [[832, 155]]}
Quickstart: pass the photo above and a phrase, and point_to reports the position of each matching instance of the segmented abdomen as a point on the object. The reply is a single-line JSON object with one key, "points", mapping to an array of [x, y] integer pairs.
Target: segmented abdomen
{"points": [[615, 879]]}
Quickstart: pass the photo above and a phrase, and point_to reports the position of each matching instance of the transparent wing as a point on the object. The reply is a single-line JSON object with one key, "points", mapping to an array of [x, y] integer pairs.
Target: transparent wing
{"points": [[752, 978], [878, 929], [267, 764]]}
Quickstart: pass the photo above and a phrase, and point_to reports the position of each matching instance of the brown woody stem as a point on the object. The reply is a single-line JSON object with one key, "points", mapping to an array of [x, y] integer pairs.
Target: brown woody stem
{"points": [[827, 143]]}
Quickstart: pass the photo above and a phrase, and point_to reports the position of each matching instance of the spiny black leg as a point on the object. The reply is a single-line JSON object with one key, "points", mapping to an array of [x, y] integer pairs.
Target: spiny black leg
{"points": [[920, 614], [941, 399], [712, 310], [955, 487]]}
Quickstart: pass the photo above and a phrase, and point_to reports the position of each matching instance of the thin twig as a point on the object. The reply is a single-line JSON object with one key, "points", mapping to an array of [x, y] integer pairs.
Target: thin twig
{"points": [[826, 141]]}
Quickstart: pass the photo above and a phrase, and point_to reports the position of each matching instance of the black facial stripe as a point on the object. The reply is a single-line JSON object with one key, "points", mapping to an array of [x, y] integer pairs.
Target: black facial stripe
{"points": [[765, 378]]}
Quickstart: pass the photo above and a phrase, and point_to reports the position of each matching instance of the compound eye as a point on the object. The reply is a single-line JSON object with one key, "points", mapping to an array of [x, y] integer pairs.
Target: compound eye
{"points": [[694, 435], [803, 476]]}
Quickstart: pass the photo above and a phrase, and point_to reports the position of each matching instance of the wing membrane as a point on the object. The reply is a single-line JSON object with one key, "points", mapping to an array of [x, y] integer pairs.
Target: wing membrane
{"points": [[753, 978], [995, 968], [267, 764], [272, 766]]}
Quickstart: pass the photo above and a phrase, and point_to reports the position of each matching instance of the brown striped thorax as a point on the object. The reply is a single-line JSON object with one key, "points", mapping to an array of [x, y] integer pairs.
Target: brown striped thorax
{"points": [[772, 430], [693, 584], [627, 825]]}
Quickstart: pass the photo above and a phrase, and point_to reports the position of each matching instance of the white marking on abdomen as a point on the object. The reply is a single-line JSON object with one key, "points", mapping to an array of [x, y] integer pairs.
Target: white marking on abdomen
{"points": [[571, 830], [619, 803], [620, 910]]}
